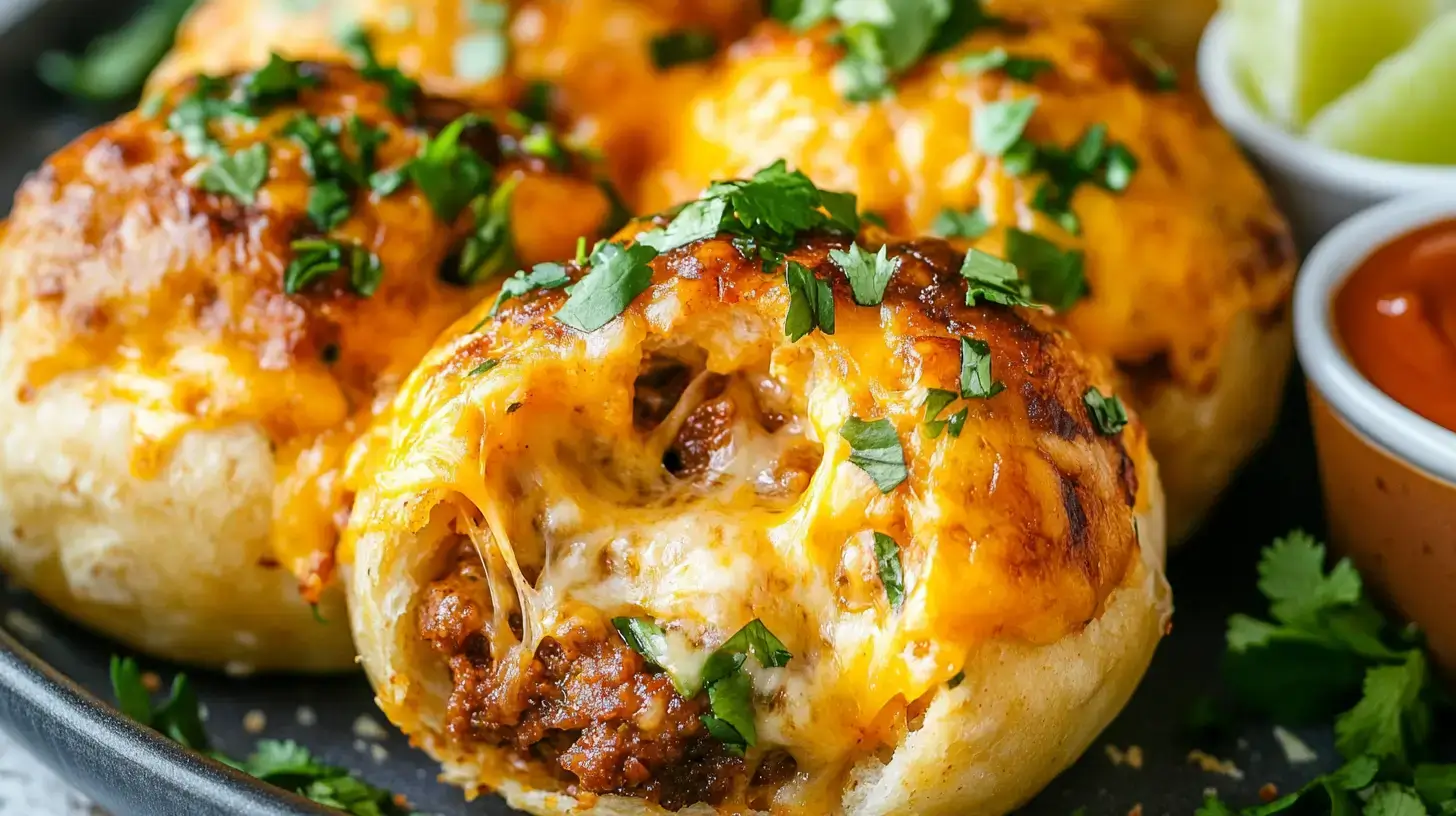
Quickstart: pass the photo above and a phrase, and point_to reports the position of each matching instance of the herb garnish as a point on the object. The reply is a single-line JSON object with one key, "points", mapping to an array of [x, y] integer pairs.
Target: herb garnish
{"points": [[1326, 645], [892, 573], [1091, 159], [936, 401], [999, 125], [730, 690], [278, 81], [993, 280], [401, 89], [1022, 69], [953, 224], [976, 381], [811, 303], [868, 274], [875, 448], [451, 174], [116, 64], [1055, 276], [541, 276], [681, 47], [883, 39], [317, 258], [483, 368], [489, 248], [283, 763], [618, 275], [238, 175], [1164, 75], [1108, 413]]}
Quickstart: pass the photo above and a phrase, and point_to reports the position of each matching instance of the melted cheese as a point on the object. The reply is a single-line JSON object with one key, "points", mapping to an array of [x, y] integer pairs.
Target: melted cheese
{"points": [[573, 490]]}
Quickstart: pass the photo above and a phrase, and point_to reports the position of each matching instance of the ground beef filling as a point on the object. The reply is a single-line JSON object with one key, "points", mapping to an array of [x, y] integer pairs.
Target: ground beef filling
{"points": [[586, 702]]}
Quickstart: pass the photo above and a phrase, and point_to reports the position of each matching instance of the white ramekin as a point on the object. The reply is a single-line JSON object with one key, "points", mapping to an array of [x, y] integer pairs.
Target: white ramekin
{"points": [[1388, 474], [1317, 187]]}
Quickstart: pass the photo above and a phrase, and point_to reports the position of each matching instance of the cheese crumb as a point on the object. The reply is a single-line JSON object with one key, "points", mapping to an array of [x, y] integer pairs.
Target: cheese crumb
{"points": [[1212, 764], [306, 716], [1132, 757], [378, 753], [255, 721], [1295, 749], [365, 727]]}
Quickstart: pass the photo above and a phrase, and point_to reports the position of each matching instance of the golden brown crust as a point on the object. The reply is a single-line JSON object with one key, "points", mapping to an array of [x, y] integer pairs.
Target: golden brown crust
{"points": [[1019, 531], [131, 298]]}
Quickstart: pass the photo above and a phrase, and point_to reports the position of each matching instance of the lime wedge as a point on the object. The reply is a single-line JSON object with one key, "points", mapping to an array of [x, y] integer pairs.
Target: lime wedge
{"points": [[1405, 110], [1296, 56]]}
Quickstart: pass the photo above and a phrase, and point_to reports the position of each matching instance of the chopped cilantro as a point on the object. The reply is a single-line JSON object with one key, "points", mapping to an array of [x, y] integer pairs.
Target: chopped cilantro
{"points": [[483, 368], [1055, 276], [1164, 76], [489, 249], [936, 401], [536, 101], [993, 280], [681, 47], [875, 449], [1108, 413], [541, 276], [868, 274], [731, 700], [618, 275], [892, 575], [451, 174], [976, 381], [960, 677], [316, 258], [285, 764], [115, 65], [1022, 69], [811, 303], [328, 205], [696, 221], [192, 116], [733, 742], [386, 183], [953, 224], [401, 90], [1120, 164], [801, 14], [278, 81], [999, 125], [238, 175], [1093, 158]]}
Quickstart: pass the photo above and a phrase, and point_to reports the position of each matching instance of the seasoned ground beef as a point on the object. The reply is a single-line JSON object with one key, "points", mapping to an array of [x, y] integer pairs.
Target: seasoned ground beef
{"points": [[586, 702]]}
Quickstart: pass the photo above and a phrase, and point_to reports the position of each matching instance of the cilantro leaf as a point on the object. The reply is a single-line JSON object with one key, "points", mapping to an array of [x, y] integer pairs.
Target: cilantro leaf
{"points": [[868, 274], [1055, 276], [238, 175], [278, 81], [733, 742], [1108, 414], [485, 368], [731, 700], [801, 14], [1436, 783], [1164, 75], [993, 280], [1390, 799], [328, 205], [1119, 166], [755, 639], [1022, 69], [682, 46], [936, 401], [541, 276], [696, 221], [282, 758], [1292, 577], [811, 303], [999, 125], [976, 381], [489, 248], [968, 224], [1213, 806], [401, 90], [892, 574], [644, 637], [386, 183], [1393, 718], [132, 698], [875, 449], [618, 275], [316, 258], [451, 174], [783, 202]]}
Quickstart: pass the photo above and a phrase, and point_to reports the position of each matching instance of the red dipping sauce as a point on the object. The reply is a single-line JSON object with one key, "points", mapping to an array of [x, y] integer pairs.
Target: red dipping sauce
{"points": [[1396, 317]]}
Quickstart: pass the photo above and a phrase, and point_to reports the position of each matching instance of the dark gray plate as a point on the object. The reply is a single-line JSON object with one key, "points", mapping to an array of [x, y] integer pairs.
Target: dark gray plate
{"points": [[44, 684]]}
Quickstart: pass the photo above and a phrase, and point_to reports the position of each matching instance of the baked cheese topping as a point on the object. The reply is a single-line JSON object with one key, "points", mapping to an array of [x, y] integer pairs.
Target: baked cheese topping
{"points": [[168, 263], [687, 463]]}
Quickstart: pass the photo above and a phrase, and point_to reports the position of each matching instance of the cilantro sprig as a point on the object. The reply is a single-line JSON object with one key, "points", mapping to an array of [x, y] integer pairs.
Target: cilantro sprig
{"points": [[283, 763], [883, 40], [875, 448], [1323, 645]]}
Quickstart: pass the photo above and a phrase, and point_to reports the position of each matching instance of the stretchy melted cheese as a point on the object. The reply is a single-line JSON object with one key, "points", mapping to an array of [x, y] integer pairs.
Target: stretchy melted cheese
{"points": [[175, 422], [684, 464]]}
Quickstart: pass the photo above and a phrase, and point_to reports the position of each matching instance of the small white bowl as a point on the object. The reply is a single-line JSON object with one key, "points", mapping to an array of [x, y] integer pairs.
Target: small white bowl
{"points": [[1317, 187], [1388, 474]]}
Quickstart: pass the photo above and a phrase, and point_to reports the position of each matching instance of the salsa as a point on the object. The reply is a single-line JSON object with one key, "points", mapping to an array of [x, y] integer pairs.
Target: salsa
{"points": [[1396, 317]]}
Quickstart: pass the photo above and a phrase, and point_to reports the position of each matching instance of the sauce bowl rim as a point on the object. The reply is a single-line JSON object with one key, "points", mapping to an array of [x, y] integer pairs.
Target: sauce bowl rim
{"points": [[1377, 178], [1375, 414]]}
